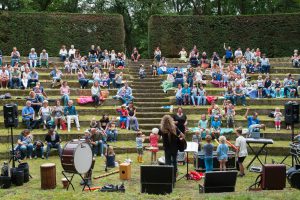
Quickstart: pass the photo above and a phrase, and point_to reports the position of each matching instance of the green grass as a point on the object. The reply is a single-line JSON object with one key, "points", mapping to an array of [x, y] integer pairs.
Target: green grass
{"points": [[183, 190]]}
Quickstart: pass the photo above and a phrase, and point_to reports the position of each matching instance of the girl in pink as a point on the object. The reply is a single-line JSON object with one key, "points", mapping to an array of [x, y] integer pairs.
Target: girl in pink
{"points": [[277, 116], [154, 137]]}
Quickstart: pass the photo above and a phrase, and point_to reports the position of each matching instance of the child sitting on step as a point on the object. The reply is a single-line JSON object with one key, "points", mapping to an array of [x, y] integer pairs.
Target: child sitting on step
{"points": [[111, 158], [154, 69], [277, 118], [123, 116], [203, 126], [139, 145], [142, 72]]}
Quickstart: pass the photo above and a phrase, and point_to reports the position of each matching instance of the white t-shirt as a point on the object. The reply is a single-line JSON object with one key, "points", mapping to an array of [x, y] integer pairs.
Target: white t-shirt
{"points": [[241, 142], [72, 51]]}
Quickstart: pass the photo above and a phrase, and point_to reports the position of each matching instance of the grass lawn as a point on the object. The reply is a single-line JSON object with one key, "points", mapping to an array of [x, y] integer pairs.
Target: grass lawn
{"points": [[183, 190]]}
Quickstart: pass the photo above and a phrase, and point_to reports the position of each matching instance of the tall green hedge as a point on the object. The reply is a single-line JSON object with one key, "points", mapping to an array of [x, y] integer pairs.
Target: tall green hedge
{"points": [[276, 35], [50, 31]]}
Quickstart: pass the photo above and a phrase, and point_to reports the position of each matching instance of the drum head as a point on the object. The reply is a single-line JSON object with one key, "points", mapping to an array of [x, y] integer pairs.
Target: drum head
{"points": [[83, 158]]}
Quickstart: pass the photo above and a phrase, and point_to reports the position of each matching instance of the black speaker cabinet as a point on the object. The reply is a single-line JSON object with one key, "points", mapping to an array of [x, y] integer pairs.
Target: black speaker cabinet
{"points": [[219, 181], [157, 179], [273, 177], [200, 165], [10, 112], [291, 112]]}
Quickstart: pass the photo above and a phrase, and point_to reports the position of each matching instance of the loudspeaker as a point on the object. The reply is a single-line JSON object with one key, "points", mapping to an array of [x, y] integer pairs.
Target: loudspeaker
{"points": [[10, 112], [293, 176], [291, 112], [125, 171], [273, 177], [157, 179], [219, 181]]}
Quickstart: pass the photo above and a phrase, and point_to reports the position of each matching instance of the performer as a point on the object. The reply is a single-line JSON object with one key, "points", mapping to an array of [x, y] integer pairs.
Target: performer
{"points": [[241, 151], [170, 136]]}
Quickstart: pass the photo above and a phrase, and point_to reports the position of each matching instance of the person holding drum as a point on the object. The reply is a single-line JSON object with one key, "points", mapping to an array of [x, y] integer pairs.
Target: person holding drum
{"points": [[97, 141], [53, 141], [71, 113]]}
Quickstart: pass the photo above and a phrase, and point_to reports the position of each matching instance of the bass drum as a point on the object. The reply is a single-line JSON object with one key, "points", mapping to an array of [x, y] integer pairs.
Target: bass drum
{"points": [[77, 157], [293, 176]]}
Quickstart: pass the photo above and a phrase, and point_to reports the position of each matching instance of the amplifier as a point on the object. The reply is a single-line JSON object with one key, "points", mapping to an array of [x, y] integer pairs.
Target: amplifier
{"points": [[200, 166]]}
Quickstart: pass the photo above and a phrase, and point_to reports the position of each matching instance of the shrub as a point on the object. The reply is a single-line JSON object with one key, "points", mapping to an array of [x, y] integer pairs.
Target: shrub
{"points": [[276, 35]]}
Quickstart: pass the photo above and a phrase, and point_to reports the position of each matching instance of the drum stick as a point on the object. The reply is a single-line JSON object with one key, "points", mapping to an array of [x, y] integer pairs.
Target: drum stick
{"points": [[92, 188], [107, 174], [217, 141], [231, 145]]}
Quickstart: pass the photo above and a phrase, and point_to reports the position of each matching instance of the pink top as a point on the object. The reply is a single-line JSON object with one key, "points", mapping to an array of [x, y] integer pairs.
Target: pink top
{"points": [[154, 140], [64, 90]]}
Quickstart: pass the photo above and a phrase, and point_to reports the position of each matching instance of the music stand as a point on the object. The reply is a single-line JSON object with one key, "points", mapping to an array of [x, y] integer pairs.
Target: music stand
{"points": [[85, 181], [191, 147]]}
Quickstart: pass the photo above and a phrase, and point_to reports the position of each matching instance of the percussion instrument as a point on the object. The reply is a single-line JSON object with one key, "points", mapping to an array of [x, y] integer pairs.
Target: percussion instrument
{"points": [[48, 176], [259, 141], [125, 171], [77, 157], [65, 183], [295, 149]]}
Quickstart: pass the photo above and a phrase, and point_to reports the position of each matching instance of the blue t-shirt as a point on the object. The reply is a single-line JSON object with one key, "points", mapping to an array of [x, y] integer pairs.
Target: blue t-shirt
{"points": [[252, 121], [222, 151], [228, 54], [208, 150], [216, 124]]}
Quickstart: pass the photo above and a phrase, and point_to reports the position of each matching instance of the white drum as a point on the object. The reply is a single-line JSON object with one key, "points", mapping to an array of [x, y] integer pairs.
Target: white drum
{"points": [[77, 157]]}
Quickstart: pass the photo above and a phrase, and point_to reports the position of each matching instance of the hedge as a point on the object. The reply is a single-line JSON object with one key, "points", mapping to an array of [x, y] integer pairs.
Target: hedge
{"points": [[50, 31], [276, 35]]}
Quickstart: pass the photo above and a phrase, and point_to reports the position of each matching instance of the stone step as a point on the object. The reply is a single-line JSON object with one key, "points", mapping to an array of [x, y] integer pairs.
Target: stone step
{"points": [[148, 95], [151, 99]]}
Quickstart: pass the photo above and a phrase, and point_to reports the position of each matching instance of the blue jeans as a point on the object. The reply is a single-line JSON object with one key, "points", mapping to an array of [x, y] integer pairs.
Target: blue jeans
{"points": [[265, 68], [65, 98], [92, 58], [98, 148], [113, 81], [83, 82], [31, 81], [230, 97], [38, 152], [26, 150], [14, 61], [208, 161], [55, 146], [28, 123], [171, 159], [14, 81], [112, 135], [124, 99], [179, 101], [242, 98], [63, 57]]}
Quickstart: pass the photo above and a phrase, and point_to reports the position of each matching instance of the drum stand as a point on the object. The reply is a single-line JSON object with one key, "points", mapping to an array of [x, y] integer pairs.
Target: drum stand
{"points": [[69, 179]]}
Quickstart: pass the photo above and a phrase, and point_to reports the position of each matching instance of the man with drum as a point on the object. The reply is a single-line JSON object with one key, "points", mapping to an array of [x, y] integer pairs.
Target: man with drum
{"points": [[97, 141], [53, 141]]}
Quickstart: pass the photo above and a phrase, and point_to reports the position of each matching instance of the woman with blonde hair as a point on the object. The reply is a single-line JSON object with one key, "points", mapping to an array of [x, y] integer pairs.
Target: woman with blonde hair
{"points": [[170, 136]]}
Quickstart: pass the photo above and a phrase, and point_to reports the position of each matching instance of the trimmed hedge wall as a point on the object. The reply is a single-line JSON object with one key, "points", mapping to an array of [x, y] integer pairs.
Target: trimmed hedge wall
{"points": [[50, 31], [276, 35]]}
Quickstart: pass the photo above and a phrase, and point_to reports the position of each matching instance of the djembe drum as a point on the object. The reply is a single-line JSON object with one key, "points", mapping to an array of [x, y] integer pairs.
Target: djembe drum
{"points": [[48, 176]]}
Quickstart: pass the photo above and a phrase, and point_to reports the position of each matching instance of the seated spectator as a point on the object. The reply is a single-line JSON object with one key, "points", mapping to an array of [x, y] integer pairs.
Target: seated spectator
{"points": [[65, 93], [112, 77], [132, 117], [119, 80], [58, 113], [239, 94], [186, 93], [225, 78], [4, 77], [105, 81], [81, 78], [15, 78], [53, 141], [135, 56], [77, 57], [154, 69], [112, 130], [248, 55], [278, 85], [123, 116], [104, 121], [94, 123], [71, 52], [203, 126], [289, 85], [74, 66], [28, 116], [106, 60], [38, 149], [84, 63], [92, 54], [1, 58], [71, 114], [45, 114], [179, 95], [35, 101], [32, 57], [168, 84], [228, 53], [67, 65], [250, 67], [63, 53], [204, 60], [39, 91], [120, 63], [215, 59], [96, 93], [179, 77], [56, 75], [199, 77], [33, 78], [257, 54], [44, 58], [15, 56], [111, 158], [260, 86], [265, 64], [98, 140], [253, 122], [25, 76], [296, 59], [142, 72], [190, 76], [25, 145], [238, 54], [99, 53], [183, 55], [97, 75], [124, 94], [193, 57], [195, 95], [157, 54], [268, 87], [215, 127], [163, 65]]}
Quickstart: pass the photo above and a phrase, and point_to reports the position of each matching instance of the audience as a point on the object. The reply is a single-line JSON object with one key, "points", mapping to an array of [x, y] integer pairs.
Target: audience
{"points": [[71, 114], [44, 62], [25, 145], [32, 57], [53, 141]]}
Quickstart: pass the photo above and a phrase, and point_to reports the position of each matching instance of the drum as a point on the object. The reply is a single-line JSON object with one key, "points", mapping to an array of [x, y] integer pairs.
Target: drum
{"points": [[48, 176], [77, 157]]}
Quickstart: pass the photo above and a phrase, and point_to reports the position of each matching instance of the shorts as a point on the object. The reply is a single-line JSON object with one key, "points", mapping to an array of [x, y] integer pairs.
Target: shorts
{"points": [[140, 151], [241, 159]]}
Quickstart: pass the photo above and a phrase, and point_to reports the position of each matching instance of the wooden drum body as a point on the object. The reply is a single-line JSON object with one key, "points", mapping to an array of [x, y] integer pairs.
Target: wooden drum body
{"points": [[77, 157], [48, 176]]}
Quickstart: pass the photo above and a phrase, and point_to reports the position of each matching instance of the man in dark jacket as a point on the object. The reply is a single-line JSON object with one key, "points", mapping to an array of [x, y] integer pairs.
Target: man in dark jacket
{"points": [[53, 141]]}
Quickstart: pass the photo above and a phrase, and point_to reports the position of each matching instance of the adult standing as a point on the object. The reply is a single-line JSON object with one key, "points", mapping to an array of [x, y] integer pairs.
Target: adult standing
{"points": [[170, 136], [180, 120], [53, 141]]}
